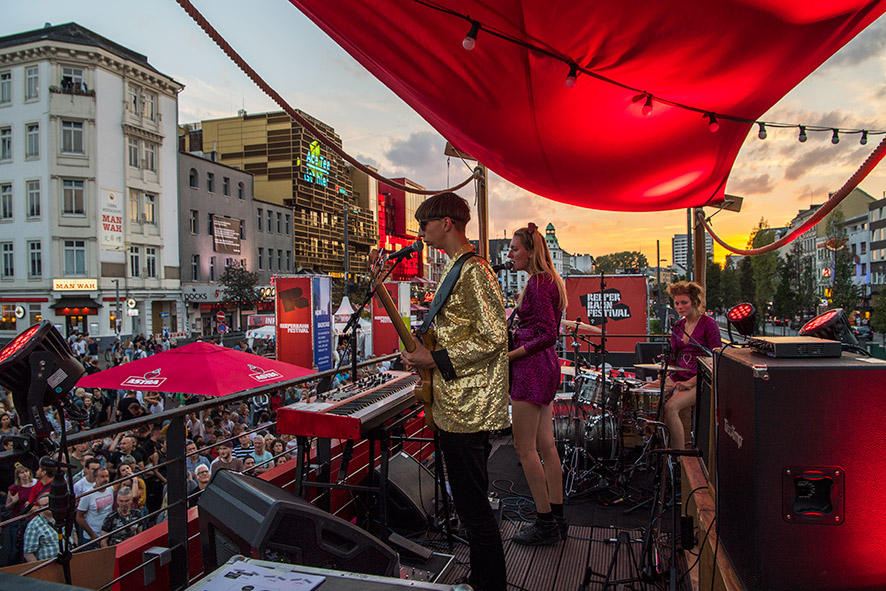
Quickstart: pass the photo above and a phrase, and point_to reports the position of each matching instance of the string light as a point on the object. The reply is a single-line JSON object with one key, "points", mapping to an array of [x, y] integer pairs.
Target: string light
{"points": [[835, 139], [712, 122], [802, 137], [864, 138], [762, 133], [573, 74], [647, 106], [470, 40]]}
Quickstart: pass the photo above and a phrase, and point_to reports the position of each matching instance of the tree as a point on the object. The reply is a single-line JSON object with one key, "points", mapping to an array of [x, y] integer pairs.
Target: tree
{"points": [[763, 266], [878, 316], [713, 287], [844, 291], [746, 287], [729, 286], [239, 286], [784, 302], [610, 263]]}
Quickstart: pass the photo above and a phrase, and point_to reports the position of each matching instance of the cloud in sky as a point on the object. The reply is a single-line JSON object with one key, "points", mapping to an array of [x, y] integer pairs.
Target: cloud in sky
{"points": [[869, 44]]}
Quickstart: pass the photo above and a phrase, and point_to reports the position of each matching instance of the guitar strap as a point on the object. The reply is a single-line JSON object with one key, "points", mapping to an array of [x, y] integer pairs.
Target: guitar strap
{"points": [[443, 292]]}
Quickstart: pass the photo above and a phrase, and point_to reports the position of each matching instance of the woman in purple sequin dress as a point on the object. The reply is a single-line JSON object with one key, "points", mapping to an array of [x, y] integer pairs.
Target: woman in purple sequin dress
{"points": [[535, 376]]}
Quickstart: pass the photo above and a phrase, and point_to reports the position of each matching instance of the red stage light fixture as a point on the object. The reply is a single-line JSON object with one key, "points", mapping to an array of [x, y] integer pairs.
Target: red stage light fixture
{"points": [[38, 368], [743, 317], [832, 325]]}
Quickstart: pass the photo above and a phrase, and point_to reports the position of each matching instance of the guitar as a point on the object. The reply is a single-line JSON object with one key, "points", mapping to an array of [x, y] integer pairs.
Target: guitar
{"points": [[425, 393]]}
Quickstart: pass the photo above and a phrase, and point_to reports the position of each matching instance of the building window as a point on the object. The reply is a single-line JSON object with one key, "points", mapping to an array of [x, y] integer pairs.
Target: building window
{"points": [[133, 102], [270, 220], [287, 224], [5, 143], [864, 269], [32, 140], [210, 230], [288, 260], [226, 186], [7, 267], [150, 106], [279, 223], [32, 83], [133, 206], [75, 258], [270, 259], [151, 262], [150, 208], [195, 267], [241, 192], [135, 262], [212, 268], [192, 179], [72, 137], [150, 156], [864, 247], [258, 220], [6, 202], [261, 254], [195, 221], [279, 260], [5, 87], [35, 259], [210, 182], [73, 198], [72, 78], [242, 229], [33, 190], [133, 152]]}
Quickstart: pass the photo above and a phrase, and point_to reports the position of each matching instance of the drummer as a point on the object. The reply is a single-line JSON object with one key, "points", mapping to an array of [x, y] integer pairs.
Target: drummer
{"points": [[689, 302]]}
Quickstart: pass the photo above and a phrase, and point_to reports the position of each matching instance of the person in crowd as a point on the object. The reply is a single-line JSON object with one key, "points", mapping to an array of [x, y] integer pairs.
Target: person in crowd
{"points": [[44, 475], [123, 517], [203, 474], [470, 380], [249, 465], [278, 449], [7, 471], [193, 458], [135, 484], [225, 460], [41, 539], [244, 447], [18, 494], [96, 506], [261, 455], [87, 483], [92, 411], [77, 456], [194, 426], [535, 377], [6, 426]]}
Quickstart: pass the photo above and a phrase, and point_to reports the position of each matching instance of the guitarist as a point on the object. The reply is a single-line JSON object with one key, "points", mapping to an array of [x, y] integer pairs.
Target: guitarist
{"points": [[470, 380]]}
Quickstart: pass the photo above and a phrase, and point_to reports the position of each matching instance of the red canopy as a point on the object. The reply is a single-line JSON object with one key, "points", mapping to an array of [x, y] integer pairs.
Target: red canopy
{"points": [[590, 145], [197, 368]]}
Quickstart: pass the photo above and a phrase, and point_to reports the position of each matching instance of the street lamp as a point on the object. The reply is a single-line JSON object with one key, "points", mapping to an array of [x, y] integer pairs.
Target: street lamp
{"points": [[117, 321]]}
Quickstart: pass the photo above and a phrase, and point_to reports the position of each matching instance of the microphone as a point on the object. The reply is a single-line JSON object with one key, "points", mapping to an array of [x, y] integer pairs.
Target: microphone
{"points": [[403, 253], [506, 266]]}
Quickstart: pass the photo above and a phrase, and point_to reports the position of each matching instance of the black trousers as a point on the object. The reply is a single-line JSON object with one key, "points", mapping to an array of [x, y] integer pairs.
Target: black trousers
{"points": [[465, 456]]}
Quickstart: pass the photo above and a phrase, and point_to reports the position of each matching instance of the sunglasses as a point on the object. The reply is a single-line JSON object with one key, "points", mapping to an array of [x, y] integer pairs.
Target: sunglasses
{"points": [[422, 224]]}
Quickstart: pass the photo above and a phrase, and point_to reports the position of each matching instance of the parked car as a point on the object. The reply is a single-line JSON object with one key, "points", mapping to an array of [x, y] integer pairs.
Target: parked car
{"points": [[862, 332]]}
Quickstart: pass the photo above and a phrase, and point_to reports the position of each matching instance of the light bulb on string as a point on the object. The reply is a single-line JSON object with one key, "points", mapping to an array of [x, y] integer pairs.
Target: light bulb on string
{"points": [[573, 74], [835, 139], [470, 40], [864, 138], [647, 106], [712, 122], [762, 133], [802, 138]]}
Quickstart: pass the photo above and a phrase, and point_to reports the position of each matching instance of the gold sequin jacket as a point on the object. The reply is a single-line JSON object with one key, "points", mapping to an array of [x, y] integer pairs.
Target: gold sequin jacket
{"points": [[470, 384]]}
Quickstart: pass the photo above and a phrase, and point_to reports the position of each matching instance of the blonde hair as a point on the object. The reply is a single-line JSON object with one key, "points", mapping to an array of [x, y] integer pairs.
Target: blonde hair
{"points": [[540, 260], [691, 289]]}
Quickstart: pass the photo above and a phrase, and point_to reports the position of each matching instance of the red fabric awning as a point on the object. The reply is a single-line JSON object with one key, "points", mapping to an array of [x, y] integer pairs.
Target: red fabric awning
{"points": [[590, 145]]}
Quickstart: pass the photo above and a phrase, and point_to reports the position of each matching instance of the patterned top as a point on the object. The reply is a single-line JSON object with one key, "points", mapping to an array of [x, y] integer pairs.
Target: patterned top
{"points": [[686, 355], [41, 539], [470, 384], [115, 521], [535, 377]]}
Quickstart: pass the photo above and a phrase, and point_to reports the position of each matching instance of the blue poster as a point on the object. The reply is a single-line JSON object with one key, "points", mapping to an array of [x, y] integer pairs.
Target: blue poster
{"points": [[322, 305]]}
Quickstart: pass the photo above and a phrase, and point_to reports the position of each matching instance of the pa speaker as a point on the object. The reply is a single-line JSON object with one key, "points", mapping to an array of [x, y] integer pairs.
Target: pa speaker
{"points": [[801, 470], [241, 514], [410, 493]]}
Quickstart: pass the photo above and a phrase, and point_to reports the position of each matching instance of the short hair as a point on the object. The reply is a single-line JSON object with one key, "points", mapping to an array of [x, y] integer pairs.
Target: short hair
{"points": [[92, 460], [124, 491], [222, 444], [445, 205], [204, 466], [691, 289]]}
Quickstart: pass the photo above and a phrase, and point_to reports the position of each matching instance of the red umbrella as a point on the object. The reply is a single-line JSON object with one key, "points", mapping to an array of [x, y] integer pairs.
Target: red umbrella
{"points": [[198, 368]]}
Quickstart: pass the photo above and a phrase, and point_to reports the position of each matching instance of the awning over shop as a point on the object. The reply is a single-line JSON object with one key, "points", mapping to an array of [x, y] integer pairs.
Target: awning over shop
{"points": [[75, 302]]}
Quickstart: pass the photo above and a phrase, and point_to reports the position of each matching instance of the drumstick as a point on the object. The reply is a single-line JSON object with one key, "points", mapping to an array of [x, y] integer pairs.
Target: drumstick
{"points": [[581, 325]]}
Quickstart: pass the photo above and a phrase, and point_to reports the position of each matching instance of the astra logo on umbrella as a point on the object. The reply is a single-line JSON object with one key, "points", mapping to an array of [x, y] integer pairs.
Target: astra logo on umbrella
{"points": [[152, 378], [261, 375]]}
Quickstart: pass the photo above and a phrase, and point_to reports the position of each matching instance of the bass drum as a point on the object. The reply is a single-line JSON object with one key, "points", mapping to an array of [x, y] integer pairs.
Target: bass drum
{"points": [[568, 424], [601, 437]]}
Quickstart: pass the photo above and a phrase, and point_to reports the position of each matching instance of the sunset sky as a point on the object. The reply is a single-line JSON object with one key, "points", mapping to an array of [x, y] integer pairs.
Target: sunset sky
{"points": [[777, 176]]}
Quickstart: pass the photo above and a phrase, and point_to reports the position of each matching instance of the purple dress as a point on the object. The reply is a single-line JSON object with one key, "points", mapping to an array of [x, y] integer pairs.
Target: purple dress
{"points": [[686, 355], [535, 378]]}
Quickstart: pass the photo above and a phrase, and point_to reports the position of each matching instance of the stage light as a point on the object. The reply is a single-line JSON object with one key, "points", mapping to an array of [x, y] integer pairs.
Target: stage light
{"points": [[38, 368], [712, 122], [832, 325], [762, 132], [802, 136], [864, 138], [573, 74], [470, 40], [743, 317], [835, 139], [647, 106]]}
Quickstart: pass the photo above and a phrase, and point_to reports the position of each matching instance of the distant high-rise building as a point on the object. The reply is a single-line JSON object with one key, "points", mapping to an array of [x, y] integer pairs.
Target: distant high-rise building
{"points": [[680, 251]]}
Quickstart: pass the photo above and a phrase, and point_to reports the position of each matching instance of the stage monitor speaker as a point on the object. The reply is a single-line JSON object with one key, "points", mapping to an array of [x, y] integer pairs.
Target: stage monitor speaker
{"points": [[703, 417], [241, 514], [801, 471], [410, 500]]}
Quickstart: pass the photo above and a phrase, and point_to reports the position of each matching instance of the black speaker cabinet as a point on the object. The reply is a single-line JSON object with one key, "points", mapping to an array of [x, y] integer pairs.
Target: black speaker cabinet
{"points": [[703, 415], [410, 501], [241, 514], [801, 490]]}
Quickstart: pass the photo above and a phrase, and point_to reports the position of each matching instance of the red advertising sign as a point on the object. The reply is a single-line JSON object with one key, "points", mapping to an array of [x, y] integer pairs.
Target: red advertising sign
{"points": [[295, 321], [623, 300], [384, 336]]}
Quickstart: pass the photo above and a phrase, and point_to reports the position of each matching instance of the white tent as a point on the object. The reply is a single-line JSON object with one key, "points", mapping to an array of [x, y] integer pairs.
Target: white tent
{"points": [[341, 316]]}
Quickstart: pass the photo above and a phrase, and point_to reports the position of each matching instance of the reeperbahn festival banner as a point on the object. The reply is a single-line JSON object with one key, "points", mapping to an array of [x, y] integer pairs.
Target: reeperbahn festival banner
{"points": [[624, 301], [385, 339], [304, 326]]}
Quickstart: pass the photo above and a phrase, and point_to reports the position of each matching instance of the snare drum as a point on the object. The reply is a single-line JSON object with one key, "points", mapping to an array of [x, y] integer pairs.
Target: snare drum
{"points": [[644, 400], [591, 391]]}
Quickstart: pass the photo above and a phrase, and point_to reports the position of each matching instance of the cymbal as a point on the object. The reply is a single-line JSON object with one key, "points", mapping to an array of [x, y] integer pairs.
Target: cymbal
{"points": [[567, 370], [580, 325], [657, 367]]}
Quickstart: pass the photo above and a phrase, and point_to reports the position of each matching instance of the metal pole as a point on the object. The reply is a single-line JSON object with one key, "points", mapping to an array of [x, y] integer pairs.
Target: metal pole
{"points": [[483, 211], [117, 322], [658, 284], [347, 206], [701, 251], [690, 253]]}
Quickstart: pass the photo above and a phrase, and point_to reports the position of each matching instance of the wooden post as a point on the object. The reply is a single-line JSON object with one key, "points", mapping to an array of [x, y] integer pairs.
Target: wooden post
{"points": [[701, 251], [483, 211]]}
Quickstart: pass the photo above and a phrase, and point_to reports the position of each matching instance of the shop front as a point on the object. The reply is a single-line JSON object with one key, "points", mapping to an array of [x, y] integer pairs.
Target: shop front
{"points": [[76, 312]]}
